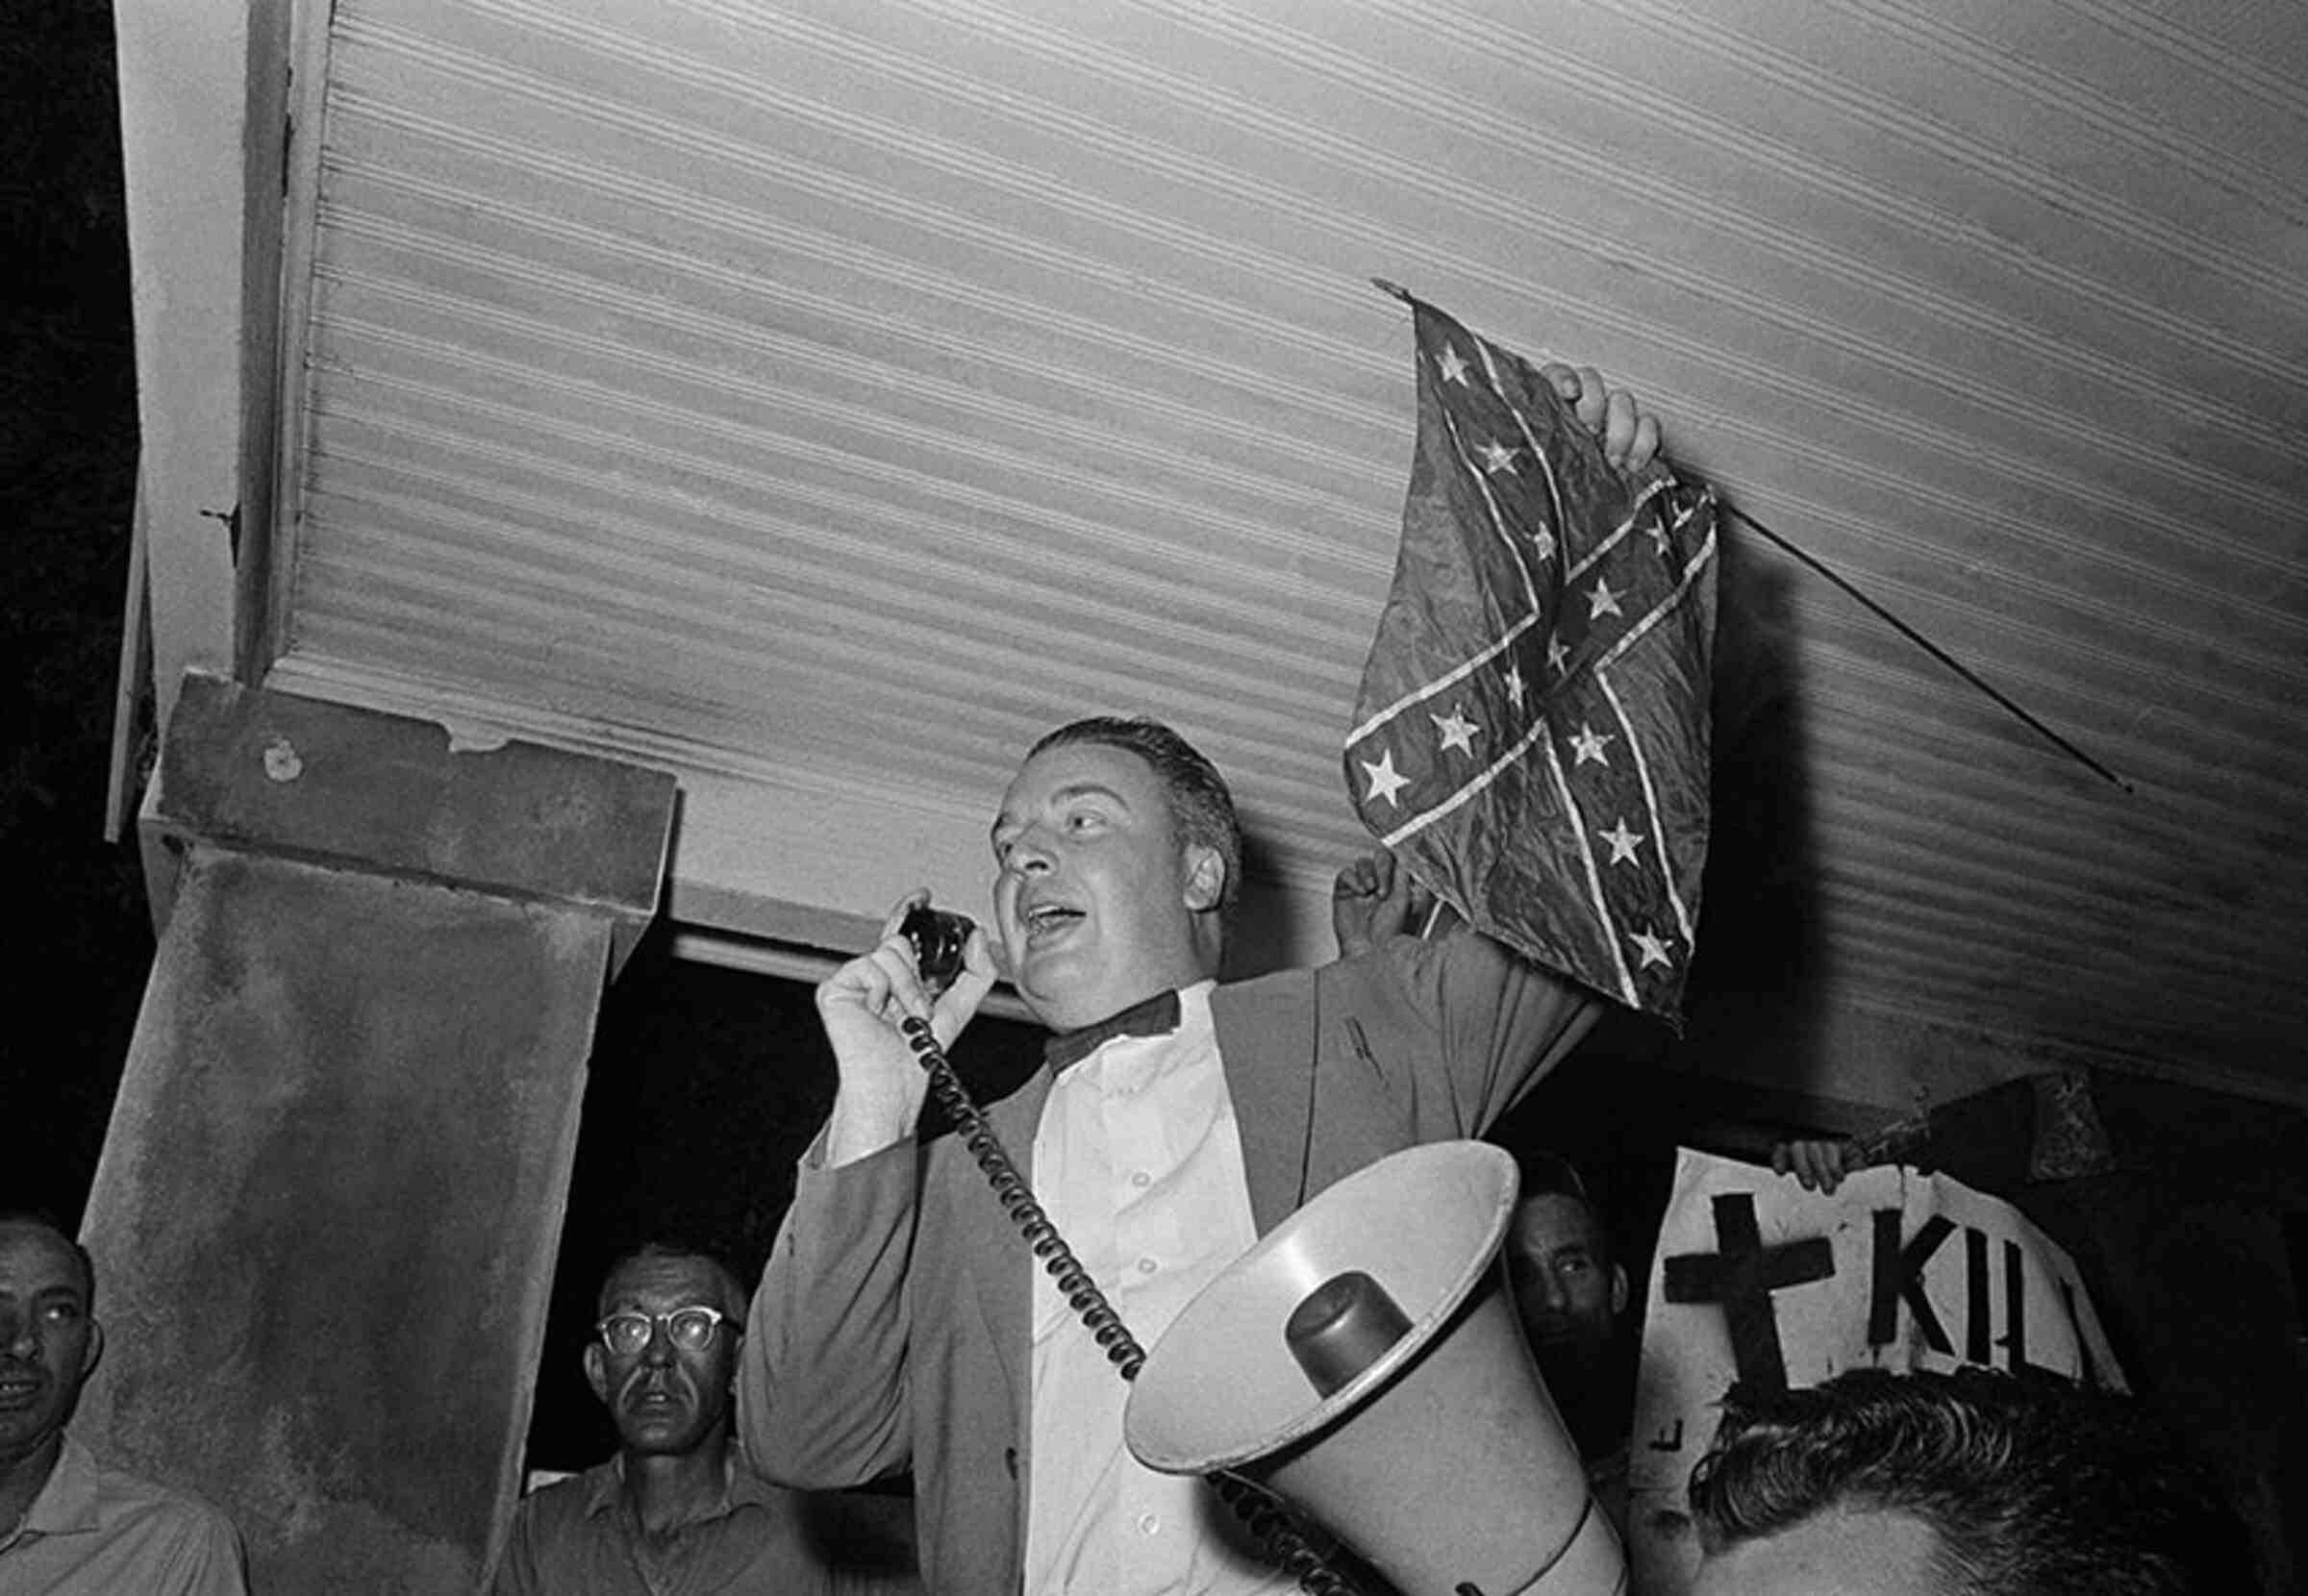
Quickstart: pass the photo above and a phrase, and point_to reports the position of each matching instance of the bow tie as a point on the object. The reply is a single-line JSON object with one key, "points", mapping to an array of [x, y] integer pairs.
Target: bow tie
{"points": [[1157, 1016]]}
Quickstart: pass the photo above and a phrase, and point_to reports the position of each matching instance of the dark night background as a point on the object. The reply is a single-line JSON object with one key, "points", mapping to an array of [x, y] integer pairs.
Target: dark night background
{"points": [[78, 938], [705, 1083]]}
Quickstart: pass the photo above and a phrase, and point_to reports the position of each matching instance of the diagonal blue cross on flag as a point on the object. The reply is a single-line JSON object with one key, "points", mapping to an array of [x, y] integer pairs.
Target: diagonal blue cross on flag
{"points": [[1530, 733]]}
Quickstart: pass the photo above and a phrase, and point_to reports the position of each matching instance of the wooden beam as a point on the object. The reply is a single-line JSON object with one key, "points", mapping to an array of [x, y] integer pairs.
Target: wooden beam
{"points": [[299, 777]]}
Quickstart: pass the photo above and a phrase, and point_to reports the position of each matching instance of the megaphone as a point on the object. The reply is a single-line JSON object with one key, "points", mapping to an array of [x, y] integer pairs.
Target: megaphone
{"points": [[1363, 1362]]}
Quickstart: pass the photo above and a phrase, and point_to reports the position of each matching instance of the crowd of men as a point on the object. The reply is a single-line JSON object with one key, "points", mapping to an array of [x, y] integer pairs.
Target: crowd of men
{"points": [[901, 1324]]}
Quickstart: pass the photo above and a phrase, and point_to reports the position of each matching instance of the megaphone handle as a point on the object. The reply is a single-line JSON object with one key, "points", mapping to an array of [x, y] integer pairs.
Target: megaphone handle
{"points": [[1256, 1505]]}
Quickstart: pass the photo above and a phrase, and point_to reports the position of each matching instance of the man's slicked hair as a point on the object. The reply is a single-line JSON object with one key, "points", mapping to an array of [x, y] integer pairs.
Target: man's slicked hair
{"points": [[2031, 1486], [1546, 1174], [1201, 804], [732, 1285], [38, 1220]]}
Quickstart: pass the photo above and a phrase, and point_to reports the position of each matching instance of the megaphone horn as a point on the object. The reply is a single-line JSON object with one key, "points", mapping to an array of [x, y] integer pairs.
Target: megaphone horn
{"points": [[1363, 1362]]}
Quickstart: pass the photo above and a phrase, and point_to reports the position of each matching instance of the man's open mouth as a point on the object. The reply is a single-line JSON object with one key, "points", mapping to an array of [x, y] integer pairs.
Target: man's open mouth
{"points": [[1047, 920], [652, 1398]]}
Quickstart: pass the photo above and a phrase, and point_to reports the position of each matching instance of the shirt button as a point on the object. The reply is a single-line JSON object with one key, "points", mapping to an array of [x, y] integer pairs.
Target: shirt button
{"points": [[1146, 1266], [1142, 1180], [1147, 1524]]}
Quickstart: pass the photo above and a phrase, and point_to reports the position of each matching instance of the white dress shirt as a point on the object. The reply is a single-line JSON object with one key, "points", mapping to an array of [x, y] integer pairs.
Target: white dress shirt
{"points": [[1138, 1163]]}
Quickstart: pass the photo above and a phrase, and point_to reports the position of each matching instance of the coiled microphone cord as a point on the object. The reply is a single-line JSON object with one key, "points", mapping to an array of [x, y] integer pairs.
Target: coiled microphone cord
{"points": [[1258, 1508]]}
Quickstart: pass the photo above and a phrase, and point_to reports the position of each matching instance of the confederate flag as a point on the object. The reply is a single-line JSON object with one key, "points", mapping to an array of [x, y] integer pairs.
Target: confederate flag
{"points": [[1530, 733]]}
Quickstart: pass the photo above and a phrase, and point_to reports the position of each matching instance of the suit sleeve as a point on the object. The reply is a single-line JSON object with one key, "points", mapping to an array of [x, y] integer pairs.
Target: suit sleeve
{"points": [[1501, 1022], [823, 1378]]}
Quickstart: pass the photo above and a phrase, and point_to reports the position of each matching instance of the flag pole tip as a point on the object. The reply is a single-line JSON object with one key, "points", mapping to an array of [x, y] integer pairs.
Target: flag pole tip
{"points": [[1385, 287]]}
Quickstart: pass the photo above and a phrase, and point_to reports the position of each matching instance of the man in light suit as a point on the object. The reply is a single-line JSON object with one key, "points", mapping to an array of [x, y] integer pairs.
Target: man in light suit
{"points": [[901, 1319]]}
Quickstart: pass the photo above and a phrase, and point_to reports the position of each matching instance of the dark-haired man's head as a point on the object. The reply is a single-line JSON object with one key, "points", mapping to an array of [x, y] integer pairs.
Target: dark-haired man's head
{"points": [[664, 1349], [1117, 849], [49, 1336], [1568, 1287], [1974, 1483], [1570, 1293]]}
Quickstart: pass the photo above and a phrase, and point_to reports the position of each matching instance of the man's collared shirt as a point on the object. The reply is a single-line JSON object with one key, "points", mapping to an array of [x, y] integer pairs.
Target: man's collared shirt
{"points": [[94, 1530], [580, 1537], [1139, 1162]]}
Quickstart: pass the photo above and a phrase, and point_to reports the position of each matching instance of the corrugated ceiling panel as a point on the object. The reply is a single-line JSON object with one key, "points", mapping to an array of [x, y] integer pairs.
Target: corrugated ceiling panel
{"points": [[873, 386]]}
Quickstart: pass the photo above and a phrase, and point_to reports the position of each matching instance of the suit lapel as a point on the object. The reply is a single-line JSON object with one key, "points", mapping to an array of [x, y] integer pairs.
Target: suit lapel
{"points": [[1313, 1094], [1267, 1050], [994, 1255]]}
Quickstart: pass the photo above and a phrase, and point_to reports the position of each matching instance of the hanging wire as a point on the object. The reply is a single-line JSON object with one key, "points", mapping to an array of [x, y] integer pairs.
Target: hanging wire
{"points": [[1926, 645]]}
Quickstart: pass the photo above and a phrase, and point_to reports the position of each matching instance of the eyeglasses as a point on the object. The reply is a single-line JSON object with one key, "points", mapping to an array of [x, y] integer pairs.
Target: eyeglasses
{"points": [[691, 1329]]}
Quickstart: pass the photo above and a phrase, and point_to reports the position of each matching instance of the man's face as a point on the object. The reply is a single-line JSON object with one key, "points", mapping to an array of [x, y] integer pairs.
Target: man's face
{"points": [[48, 1342], [1568, 1292], [1838, 1553], [665, 1399], [1095, 899]]}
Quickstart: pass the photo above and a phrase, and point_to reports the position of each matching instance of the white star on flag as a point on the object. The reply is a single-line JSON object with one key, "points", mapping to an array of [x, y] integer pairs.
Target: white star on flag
{"points": [[1515, 687], [1452, 368], [1601, 601], [1587, 744], [1458, 731], [1557, 652], [1497, 458], [1653, 947], [1623, 840], [1385, 781]]}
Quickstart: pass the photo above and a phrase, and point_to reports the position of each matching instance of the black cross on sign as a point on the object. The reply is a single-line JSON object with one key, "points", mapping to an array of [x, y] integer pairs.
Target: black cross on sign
{"points": [[1742, 1278]]}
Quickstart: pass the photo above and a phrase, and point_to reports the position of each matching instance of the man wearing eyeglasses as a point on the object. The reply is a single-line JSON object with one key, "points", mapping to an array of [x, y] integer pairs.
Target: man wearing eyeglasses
{"points": [[675, 1512]]}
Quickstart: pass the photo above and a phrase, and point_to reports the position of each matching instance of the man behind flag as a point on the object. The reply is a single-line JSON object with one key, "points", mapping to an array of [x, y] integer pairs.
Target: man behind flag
{"points": [[1530, 733]]}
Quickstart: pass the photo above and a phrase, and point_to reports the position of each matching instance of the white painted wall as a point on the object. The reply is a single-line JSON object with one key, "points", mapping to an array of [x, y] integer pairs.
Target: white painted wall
{"points": [[183, 134]]}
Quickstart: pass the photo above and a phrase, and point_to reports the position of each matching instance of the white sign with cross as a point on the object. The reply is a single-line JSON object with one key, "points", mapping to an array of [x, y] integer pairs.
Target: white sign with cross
{"points": [[1757, 1280]]}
